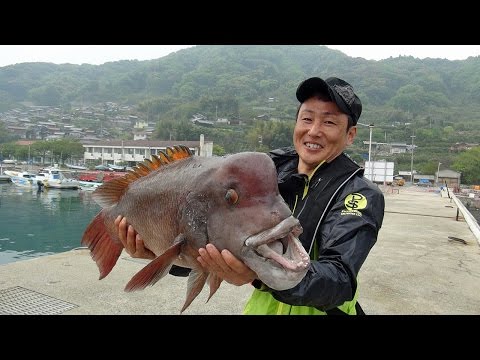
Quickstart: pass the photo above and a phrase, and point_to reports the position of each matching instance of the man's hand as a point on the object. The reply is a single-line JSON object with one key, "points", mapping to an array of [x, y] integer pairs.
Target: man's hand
{"points": [[131, 241], [225, 265]]}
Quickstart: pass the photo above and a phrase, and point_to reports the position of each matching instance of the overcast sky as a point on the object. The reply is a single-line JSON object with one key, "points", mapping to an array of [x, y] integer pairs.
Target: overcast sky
{"points": [[99, 54]]}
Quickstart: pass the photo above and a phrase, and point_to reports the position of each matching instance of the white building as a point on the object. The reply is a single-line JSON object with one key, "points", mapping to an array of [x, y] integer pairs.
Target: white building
{"points": [[379, 171], [130, 152]]}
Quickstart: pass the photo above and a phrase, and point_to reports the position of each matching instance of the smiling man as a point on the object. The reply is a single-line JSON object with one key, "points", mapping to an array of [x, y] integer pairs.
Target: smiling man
{"points": [[323, 128], [341, 211]]}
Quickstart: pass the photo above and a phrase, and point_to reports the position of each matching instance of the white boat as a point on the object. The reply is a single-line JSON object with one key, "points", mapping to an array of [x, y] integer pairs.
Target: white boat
{"points": [[89, 185], [22, 178], [117, 167], [54, 178], [3, 177], [76, 167]]}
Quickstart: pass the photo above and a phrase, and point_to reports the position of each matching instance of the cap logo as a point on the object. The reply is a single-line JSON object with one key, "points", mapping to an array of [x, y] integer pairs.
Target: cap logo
{"points": [[346, 92]]}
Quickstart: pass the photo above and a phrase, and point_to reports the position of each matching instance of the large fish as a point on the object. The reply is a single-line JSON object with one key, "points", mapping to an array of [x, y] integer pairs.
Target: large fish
{"points": [[179, 202]]}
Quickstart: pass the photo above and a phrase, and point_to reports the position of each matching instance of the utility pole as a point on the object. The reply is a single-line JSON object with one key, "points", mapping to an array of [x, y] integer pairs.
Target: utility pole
{"points": [[370, 126], [438, 170], [411, 164], [385, 174]]}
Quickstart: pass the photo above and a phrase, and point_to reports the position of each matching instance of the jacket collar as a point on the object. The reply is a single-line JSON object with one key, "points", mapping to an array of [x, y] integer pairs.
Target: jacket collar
{"points": [[286, 161]]}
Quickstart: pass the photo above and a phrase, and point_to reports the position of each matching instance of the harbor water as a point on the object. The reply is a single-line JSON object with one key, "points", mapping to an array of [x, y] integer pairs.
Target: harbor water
{"points": [[34, 223]]}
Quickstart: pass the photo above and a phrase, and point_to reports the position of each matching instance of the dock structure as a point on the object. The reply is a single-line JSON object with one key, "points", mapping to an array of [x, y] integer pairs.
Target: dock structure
{"points": [[426, 261]]}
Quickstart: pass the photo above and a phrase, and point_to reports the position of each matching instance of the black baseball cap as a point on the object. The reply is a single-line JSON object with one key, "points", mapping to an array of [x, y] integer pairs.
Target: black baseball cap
{"points": [[338, 90]]}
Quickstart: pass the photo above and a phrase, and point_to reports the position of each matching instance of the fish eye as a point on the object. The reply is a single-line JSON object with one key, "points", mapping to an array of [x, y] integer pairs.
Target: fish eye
{"points": [[231, 196]]}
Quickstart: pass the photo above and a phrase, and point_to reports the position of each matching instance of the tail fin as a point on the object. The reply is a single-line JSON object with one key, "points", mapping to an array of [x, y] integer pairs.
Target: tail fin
{"points": [[103, 249]]}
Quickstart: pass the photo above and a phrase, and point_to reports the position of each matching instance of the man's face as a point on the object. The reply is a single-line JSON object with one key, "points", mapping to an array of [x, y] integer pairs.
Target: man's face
{"points": [[320, 133]]}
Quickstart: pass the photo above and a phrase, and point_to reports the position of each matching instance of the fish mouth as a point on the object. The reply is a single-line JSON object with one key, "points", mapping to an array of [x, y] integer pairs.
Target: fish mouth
{"points": [[280, 246]]}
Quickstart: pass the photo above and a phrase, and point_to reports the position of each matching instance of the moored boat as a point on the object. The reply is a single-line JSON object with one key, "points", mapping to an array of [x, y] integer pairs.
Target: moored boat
{"points": [[76, 167], [53, 177], [22, 178], [89, 185], [3, 177]]}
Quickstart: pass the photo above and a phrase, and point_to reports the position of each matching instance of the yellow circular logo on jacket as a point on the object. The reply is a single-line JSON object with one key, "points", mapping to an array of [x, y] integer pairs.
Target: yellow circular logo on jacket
{"points": [[355, 201]]}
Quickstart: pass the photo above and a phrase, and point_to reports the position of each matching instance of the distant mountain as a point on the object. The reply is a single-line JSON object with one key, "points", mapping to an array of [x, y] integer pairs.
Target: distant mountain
{"points": [[240, 81]]}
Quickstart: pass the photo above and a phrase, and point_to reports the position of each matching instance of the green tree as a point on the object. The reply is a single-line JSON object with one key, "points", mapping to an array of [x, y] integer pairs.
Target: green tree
{"points": [[41, 148], [468, 163], [7, 150], [46, 95], [166, 130], [218, 150], [265, 135], [66, 149]]}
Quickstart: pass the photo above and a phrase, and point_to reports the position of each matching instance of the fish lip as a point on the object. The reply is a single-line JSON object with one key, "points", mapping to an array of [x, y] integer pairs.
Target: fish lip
{"points": [[278, 231], [294, 258]]}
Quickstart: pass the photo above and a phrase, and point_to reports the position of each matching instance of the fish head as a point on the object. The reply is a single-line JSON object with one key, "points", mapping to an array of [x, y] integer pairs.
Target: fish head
{"points": [[249, 217]]}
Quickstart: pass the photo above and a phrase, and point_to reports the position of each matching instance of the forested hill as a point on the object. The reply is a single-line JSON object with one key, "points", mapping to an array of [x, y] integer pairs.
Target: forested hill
{"points": [[237, 81]]}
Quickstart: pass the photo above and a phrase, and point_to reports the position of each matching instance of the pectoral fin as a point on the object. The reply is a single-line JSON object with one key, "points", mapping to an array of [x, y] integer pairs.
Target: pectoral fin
{"points": [[157, 268], [196, 281], [214, 282]]}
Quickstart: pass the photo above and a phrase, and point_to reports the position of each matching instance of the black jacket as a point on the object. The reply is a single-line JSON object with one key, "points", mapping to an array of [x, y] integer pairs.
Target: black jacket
{"points": [[341, 215], [344, 235]]}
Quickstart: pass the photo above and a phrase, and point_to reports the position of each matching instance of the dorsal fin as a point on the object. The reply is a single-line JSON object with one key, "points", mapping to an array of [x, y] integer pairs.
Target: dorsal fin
{"points": [[112, 191]]}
